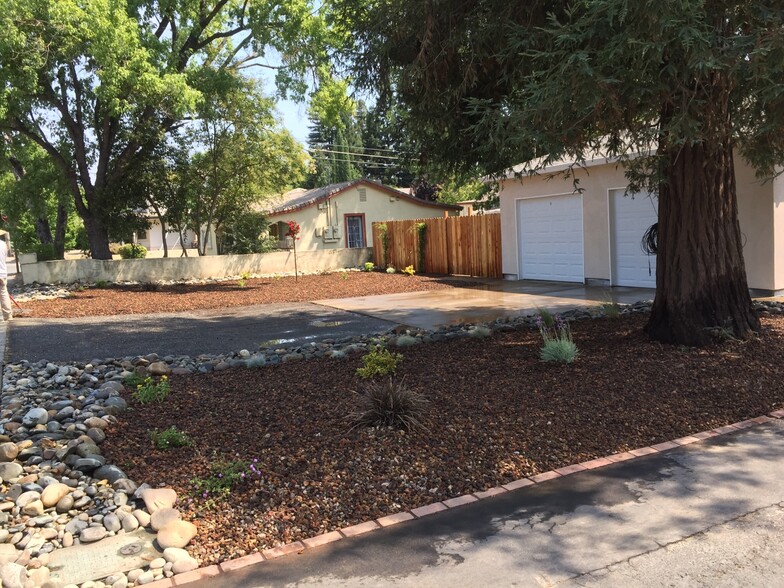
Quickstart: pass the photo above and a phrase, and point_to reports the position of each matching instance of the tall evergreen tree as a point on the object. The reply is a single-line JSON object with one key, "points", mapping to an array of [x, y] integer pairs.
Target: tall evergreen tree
{"points": [[689, 84]]}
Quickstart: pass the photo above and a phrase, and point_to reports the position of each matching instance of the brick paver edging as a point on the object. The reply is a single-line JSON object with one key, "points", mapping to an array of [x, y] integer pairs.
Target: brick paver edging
{"points": [[423, 511]]}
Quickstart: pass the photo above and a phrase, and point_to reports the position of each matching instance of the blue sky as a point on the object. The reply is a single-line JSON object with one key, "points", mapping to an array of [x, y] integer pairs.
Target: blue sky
{"points": [[295, 118]]}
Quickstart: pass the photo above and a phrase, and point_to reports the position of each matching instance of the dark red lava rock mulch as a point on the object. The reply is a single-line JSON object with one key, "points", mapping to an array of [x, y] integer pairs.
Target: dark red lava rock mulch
{"points": [[496, 413], [134, 299]]}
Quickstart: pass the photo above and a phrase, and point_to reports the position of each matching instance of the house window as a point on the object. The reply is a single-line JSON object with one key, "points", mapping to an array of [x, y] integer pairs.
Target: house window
{"points": [[141, 234], [355, 230], [362, 195]]}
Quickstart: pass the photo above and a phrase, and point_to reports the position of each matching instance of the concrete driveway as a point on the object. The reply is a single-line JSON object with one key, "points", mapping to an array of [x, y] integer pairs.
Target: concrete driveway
{"points": [[225, 330], [496, 299]]}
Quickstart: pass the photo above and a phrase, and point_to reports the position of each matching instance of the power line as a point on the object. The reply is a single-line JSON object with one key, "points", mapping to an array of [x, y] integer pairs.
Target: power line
{"points": [[333, 152], [379, 149], [366, 163], [372, 149]]}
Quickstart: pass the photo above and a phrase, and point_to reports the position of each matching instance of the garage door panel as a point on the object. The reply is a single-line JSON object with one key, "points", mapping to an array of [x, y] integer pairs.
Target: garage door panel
{"points": [[630, 217], [550, 238]]}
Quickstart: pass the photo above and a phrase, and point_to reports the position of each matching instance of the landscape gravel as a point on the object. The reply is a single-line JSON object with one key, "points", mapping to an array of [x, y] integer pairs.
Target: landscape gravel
{"points": [[77, 467]]}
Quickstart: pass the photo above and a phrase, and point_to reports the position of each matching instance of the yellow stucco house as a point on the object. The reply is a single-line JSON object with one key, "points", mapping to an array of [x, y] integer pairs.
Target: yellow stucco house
{"points": [[550, 231], [341, 215]]}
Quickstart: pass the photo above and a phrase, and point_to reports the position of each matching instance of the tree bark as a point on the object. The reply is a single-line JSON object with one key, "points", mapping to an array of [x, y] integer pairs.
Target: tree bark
{"points": [[162, 222], [183, 245], [43, 231], [701, 288], [98, 237], [59, 231]]}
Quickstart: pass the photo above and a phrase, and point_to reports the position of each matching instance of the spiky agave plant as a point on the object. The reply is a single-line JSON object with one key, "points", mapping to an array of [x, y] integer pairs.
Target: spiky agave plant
{"points": [[390, 404]]}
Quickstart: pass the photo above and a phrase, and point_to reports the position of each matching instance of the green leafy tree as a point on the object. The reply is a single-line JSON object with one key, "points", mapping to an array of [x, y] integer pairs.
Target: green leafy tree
{"points": [[35, 198], [243, 233], [460, 188], [99, 84], [241, 156], [688, 84], [157, 181]]}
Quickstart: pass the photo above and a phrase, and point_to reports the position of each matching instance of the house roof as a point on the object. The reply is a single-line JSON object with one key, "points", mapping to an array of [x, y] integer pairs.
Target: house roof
{"points": [[593, 158], [298, 201]]}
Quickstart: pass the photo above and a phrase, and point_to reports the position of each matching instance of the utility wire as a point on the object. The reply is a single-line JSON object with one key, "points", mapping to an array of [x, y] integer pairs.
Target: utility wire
{"points": [[367, 163], [379, 149], [365, 148], [333, 152]]}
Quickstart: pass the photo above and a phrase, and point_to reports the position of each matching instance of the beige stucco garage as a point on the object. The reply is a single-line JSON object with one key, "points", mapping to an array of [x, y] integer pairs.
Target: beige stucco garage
{"points": [[550, 231]]}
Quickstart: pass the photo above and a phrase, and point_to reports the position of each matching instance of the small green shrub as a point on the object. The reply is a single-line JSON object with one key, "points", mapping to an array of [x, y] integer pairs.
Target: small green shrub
{"points": [[245, 276], [132, 251], [610, 309], [133, 380], [224, 475], [170, 438], [409, 270], [101, 284], [344, 275], [722, 333], [369, 266], [559, 350], [45, 252], [379, 362], [391, 270], [241, 283], [152, 391], [558, 344], [479, 332], [257, 361], [406, 341], [390, 405]]}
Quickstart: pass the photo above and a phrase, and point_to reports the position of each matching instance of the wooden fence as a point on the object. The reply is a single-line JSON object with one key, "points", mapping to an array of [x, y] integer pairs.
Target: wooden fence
{"points": [[459, 245]]}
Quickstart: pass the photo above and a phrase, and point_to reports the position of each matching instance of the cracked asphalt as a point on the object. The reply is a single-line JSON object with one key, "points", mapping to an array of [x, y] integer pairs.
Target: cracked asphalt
{"points": [[708, 514]]}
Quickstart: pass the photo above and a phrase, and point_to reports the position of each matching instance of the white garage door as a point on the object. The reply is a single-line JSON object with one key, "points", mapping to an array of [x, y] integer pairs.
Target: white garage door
{"points": [[550, 238], [630, 217]]}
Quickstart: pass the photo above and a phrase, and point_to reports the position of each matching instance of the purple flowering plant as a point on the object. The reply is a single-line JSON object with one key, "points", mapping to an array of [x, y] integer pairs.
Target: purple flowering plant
{"points": [[558, 345]]}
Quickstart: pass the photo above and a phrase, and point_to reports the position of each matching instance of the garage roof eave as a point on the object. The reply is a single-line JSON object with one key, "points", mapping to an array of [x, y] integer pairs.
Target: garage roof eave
{"points": [[563, 165]]}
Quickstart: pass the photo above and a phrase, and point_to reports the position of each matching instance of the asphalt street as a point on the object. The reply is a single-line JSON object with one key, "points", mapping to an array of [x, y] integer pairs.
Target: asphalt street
{"points": [[188, 333]]}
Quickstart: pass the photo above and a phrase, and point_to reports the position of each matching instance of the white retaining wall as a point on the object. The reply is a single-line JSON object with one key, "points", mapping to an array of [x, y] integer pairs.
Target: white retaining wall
{"points": [[177, 268]]}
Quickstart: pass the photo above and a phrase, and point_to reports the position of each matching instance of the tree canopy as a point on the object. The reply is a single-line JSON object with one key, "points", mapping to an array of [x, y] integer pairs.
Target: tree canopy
{"points": [[99, 84], [673, 89], [35, 200]]}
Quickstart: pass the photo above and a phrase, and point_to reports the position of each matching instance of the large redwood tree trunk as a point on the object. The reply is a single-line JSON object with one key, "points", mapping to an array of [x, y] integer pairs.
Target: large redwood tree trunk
{"points": [[701, 288]]}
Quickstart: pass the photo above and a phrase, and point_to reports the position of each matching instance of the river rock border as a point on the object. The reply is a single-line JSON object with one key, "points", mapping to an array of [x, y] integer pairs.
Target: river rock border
{"points": [[57, 489]]}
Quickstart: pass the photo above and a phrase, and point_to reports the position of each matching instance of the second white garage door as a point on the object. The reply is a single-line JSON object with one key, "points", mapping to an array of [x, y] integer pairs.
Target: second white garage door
{"points": [[550, 238], [630, 217]]}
